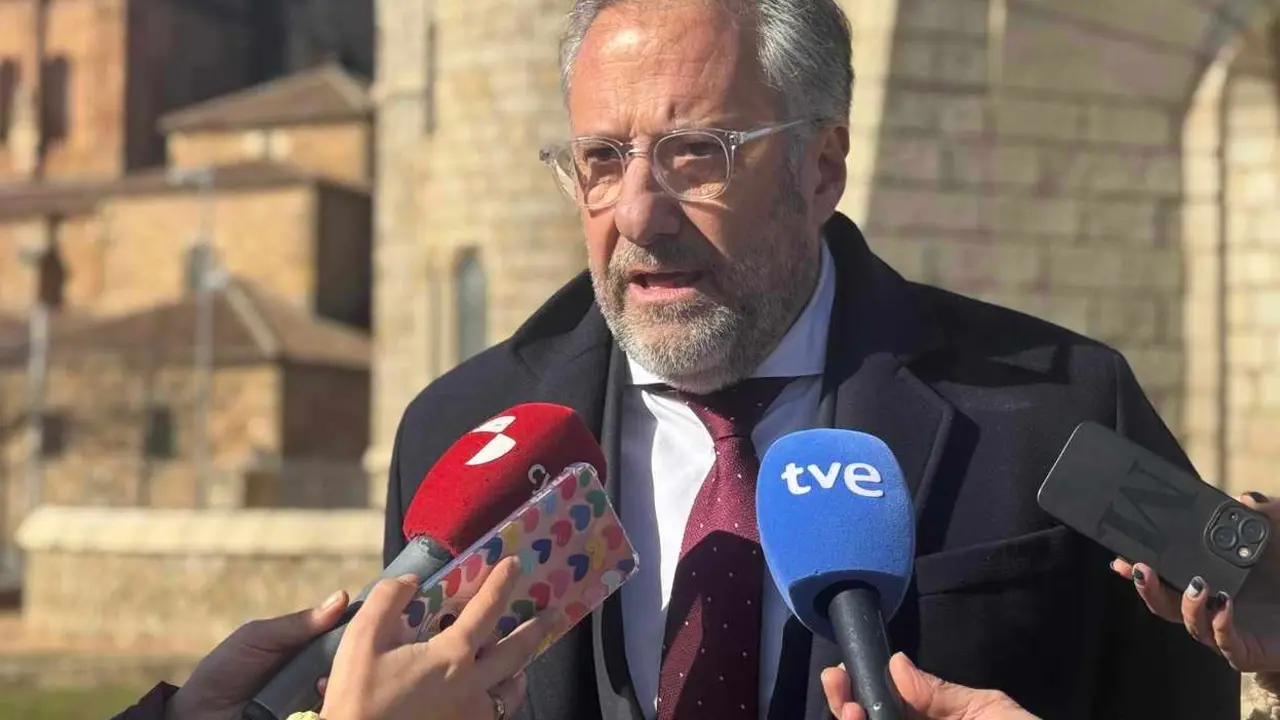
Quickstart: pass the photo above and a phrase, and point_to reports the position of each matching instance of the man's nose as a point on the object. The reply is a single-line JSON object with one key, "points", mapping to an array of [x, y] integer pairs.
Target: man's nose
{"points": [[644, 212]]}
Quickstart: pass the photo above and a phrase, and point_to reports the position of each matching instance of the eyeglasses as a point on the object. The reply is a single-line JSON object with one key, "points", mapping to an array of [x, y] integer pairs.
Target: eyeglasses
{"points": [[691, 165]]}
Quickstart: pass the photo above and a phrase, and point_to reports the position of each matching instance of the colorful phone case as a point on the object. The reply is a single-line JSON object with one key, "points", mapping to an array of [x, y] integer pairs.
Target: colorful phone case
{"points": [[572, 549]]}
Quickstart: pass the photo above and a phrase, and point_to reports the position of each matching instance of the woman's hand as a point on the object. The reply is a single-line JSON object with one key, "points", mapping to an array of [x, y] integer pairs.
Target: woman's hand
{"points": [[460, 673], [1245, 629]]}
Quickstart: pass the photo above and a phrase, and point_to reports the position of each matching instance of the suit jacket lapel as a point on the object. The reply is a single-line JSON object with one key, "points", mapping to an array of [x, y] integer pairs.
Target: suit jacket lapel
{"points": [[877, 330], [576, 369], [613, 678]]}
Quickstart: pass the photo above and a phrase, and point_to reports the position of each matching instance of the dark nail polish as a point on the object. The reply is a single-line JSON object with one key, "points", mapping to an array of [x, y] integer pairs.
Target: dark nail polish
{"points": [[1196, 587], [1139, 577], [1258, 497], [1217, 602]]}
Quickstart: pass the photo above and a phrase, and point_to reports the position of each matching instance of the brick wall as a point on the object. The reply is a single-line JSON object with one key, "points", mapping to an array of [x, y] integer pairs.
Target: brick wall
{"points": [[337, 150]]}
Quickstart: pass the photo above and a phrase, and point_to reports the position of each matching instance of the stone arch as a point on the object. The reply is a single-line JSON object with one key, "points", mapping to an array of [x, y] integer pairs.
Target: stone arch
{"points": [[1231, 245]]}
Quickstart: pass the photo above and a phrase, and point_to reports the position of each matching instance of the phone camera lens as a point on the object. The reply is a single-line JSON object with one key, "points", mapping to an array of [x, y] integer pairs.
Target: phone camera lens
{"points": [[1252, 530], [1224, 537]]}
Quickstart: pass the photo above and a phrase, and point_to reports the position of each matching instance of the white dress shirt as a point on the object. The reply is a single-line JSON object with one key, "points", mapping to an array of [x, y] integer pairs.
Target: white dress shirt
{"points": [[666, 453]]}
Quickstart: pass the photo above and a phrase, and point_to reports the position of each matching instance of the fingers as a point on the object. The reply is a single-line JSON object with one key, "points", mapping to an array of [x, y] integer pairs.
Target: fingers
{"points": [[1159, 599], [512, 691], [516, 650], [1261, 503], [1195, 612], [921, 691], [837, 688], [480, 616], [839, 691], [1227, 638], [293, 630], [379, 617]]}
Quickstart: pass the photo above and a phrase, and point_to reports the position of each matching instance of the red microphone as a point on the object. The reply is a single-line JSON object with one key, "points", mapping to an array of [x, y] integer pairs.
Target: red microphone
{"points": [[482, 479]]}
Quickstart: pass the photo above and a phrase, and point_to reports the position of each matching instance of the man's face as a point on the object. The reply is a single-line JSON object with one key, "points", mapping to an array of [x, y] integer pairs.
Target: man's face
{"points": [[697, 292]]}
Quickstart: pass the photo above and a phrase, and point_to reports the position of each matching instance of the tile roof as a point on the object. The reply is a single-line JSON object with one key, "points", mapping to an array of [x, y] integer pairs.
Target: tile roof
{"points": [[327, 92], [250, 325]]}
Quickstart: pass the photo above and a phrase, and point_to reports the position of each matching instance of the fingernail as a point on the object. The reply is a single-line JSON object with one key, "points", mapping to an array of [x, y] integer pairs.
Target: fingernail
{"points": [[1258, 497], [1195, 588], [1139, 577], [409, 578], [1217, 602], [331, 600]]}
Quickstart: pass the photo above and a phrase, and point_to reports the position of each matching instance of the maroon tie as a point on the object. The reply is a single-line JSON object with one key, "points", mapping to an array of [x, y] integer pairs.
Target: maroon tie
{"points": [[711, 650]]}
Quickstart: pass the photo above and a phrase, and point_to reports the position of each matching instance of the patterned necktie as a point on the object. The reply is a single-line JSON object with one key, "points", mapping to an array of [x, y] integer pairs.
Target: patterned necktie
{"points": [[711, 650]]}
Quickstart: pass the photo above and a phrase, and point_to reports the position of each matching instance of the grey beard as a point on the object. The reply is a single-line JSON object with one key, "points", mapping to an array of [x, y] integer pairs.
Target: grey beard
{"points": [[717, 344]]}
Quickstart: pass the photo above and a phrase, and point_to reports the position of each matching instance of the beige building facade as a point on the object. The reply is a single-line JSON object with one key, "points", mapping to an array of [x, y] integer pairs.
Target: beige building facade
{"points": [[1111, 167], [274, 180]]}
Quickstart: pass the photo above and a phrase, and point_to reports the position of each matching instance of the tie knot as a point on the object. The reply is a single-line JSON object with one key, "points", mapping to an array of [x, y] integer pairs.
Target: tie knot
{"points": [[736, 410]]}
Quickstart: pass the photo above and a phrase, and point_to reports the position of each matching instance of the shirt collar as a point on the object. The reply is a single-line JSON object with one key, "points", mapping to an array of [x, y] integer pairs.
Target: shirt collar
{"points": [[802, 351]]}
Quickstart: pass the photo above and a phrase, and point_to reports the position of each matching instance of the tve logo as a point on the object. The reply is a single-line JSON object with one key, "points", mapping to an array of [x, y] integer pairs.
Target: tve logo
{"points": [[856, 477], [498, 446]]}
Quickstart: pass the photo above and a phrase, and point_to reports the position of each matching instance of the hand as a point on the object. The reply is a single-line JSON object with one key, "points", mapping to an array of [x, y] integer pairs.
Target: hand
{"points": [[1244, 629], [456, 674], [229, 676], [924, 696]]}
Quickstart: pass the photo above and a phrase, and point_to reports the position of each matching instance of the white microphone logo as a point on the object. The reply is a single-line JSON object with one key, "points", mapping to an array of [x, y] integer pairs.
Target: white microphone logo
{"points": [[500, 444]]}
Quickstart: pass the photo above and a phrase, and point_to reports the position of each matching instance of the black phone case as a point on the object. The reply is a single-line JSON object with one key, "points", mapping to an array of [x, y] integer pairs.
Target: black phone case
{"points": [[1145, 509]]}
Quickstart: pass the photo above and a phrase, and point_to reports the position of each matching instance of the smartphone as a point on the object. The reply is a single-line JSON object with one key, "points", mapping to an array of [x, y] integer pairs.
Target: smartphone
{"points": [[572, 549], [1146, 509]]}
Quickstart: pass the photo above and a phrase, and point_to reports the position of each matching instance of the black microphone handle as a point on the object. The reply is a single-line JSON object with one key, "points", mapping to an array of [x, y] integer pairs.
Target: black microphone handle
{"points": [[293, 689], [855, 614]]}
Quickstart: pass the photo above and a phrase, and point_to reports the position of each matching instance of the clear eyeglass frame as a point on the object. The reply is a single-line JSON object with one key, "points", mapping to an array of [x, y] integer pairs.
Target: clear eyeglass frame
{"points": [[730, 142]]}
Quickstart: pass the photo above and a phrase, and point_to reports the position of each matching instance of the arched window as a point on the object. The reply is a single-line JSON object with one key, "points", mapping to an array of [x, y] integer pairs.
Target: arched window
{"points": [[472, 303]]}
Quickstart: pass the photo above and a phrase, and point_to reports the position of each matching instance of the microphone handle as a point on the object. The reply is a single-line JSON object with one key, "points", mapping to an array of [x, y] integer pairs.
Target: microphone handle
{"points": [[293, 689], [855, 614]]}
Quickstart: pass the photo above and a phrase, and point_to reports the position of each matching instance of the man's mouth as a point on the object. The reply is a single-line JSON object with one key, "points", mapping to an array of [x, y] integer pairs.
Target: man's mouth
{"points": [[665, 280]]}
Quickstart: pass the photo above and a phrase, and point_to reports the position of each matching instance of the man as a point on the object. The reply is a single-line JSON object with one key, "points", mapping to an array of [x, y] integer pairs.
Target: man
{"points": [[709, 149]]}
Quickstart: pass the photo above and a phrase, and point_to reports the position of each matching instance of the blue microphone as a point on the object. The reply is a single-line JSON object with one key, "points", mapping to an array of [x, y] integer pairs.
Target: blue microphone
{"points": [[838, 531]]}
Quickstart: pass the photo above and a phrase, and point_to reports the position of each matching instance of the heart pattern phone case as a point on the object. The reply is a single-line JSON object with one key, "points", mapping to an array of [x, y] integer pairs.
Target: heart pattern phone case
{"points": [[572, 549]]}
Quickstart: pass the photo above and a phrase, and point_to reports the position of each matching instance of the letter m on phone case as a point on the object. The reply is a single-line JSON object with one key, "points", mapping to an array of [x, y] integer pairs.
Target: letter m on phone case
{"points": [[1144, 491]]}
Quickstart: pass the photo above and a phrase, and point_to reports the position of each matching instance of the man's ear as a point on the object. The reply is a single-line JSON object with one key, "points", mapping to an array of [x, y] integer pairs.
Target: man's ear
{"points": [[830, 169]]}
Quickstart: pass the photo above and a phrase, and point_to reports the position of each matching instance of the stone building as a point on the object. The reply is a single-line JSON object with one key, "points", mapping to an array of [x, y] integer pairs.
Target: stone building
{"points": [[122, 197], [1111, 167], [288, 417], [83, 84]]}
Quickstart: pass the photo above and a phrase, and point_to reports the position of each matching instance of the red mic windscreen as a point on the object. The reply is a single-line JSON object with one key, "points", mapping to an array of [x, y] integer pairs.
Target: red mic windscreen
{"points": [[493, 470]]}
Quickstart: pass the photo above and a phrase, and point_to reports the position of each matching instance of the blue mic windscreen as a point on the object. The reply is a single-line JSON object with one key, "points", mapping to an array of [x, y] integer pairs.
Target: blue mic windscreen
{"points": [[833, 509]]}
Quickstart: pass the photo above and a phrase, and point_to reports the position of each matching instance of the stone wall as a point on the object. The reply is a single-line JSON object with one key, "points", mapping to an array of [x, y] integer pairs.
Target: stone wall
{"points": [[79, 238], [1252, 131], [337, 150], [150, 234], [126, 64], [183, 577], [103, 461], [403, 93], [459, 96]]}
